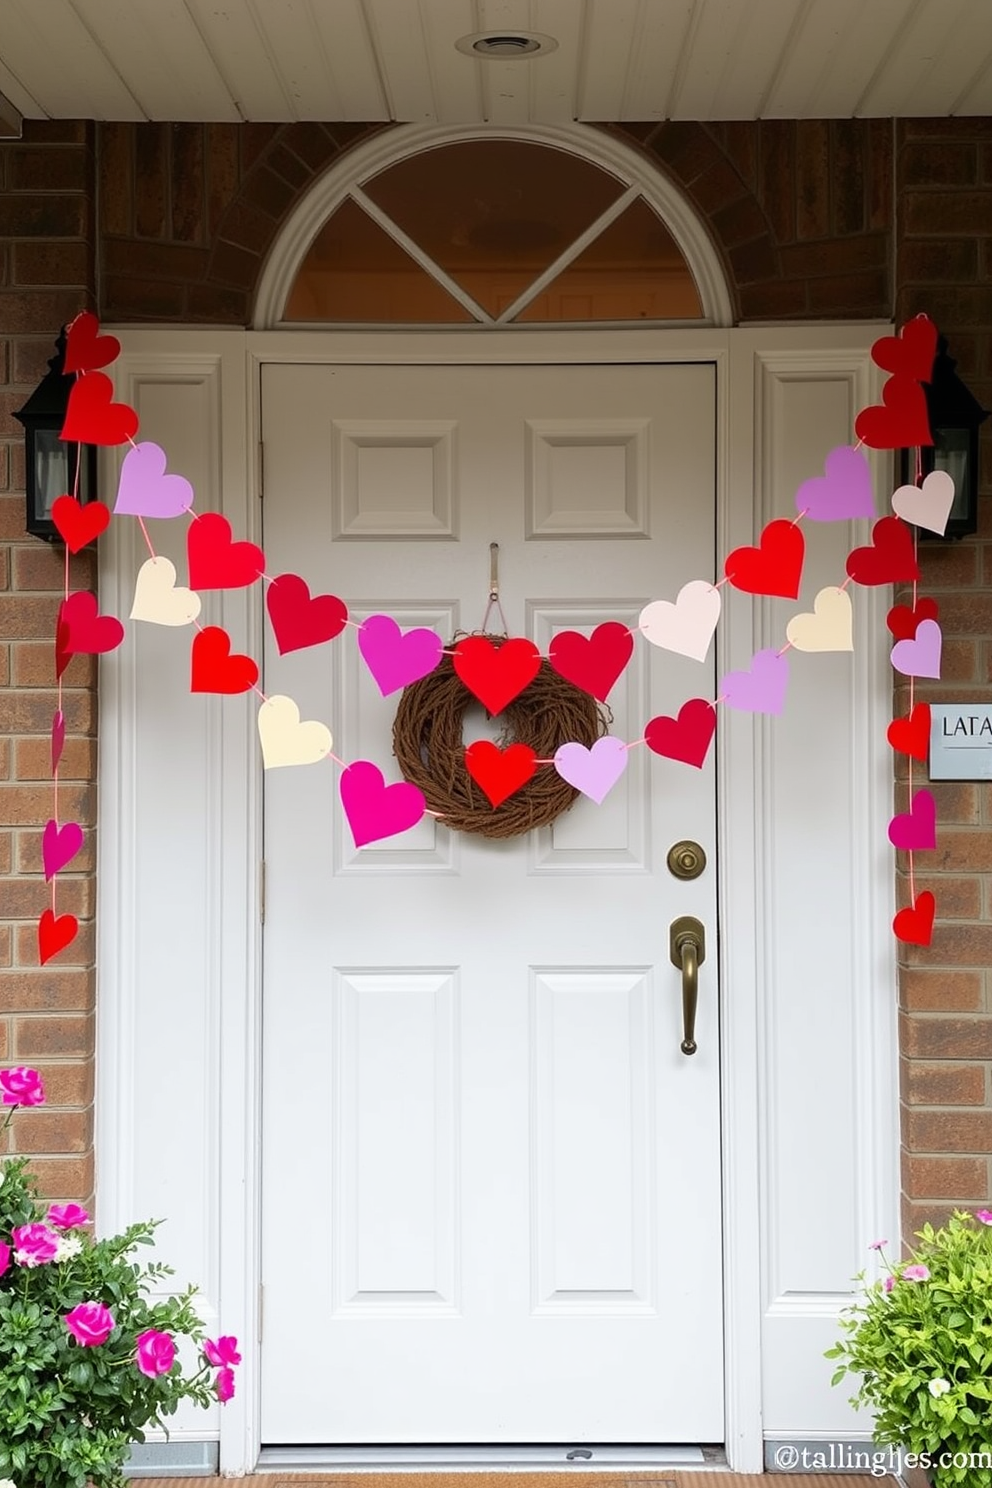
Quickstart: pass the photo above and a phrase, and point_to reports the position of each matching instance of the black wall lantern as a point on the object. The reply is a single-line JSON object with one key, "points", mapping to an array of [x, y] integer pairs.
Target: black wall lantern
{"points": [[955, 418], [50, 466]]}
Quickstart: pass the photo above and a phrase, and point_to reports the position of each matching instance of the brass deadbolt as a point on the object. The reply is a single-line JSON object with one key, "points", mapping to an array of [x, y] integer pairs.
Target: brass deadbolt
{"points": [[686, 860]]}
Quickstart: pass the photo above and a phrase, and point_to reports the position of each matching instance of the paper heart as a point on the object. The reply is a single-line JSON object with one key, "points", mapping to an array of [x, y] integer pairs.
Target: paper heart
{"points": [[914, 925], [500, 772], [843, 490], [829, 628], [394, 659], [911, 735], [84, 628], [775, 567], [592, 662], [686, 738], [157, 597], [54, 934], [686, 626], [58, 738], [928, 505], [496, 673], [213, 666], [919, 657], [900, 421], [78, 524], [375, 809], [215, 562], [593, 771], [63, 655], [915, 830], [59, 845], [85, 349], [891, 558], [761, 689], [299, 620], [902, 620], [144, 489], [92, 416], [911, 352], [287, 741]]}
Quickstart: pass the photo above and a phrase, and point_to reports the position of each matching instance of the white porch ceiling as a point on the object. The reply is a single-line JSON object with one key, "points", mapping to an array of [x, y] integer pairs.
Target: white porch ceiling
{"points": [[396, 59]]}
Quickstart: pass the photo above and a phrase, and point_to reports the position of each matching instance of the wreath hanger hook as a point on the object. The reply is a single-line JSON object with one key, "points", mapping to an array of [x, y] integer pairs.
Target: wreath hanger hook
{"points": [[494, 590]]}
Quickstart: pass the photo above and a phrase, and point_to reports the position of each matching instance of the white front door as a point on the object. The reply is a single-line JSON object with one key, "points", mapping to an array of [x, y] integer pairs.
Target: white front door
{"points": [[491, 1196]]}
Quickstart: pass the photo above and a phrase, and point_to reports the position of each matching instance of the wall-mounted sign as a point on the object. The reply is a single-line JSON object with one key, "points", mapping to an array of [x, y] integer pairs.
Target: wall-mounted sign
{"points": [[961, 741]]}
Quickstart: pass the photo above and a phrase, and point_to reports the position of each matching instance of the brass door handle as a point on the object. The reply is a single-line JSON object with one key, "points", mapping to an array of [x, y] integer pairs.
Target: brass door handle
{"points": [[687, 947]]}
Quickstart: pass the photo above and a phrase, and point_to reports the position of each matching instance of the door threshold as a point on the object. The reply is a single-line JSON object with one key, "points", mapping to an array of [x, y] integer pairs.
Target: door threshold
{"points": [[544, 1457]]}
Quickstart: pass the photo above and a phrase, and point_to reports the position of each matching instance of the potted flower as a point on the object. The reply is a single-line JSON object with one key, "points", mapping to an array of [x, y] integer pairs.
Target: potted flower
{"points": [[87, 1360], [921, 1340]]}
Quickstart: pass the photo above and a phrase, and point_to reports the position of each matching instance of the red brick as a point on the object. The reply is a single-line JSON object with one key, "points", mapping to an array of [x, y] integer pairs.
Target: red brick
{"points": [[68, 1084], [34, 666], [776, 145], [949, 1131], [31, 356], [937, 260], [27, 898], [717, 189], [686, 148], [151, 179], [313, 145], [773, 301], [235, 267], [866, 293], [55, 1132], [56, 132], [254, 140], [848, 175], [264, 189], [961, 1178], [945, 164], [813, 179], [47, 989], [50, 263], [32, 711], [947, 1038], [942, 213], [31, 805], [36, 1038], [116, 166], [222, 172], [7, 852], [6, 947], [958, 802], [47, 168], [65, 1179], [940, 991], [37, 216], [33, 759], [78, 953], [188, 204], [42, 566], [957, 898], [955, 945], [180, 261], [27, 618], [289, 167], [142, 299], [756, 261], [217, 304], [28, 852]]}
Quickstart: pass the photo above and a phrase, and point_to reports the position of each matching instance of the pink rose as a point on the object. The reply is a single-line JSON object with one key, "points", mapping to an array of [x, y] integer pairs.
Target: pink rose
{"points": [[222, 1352], [155, 1352], [90, 1323], [4, 1258], [66, 1216], [224, 1384], [34, 1244], [21, 1087]]}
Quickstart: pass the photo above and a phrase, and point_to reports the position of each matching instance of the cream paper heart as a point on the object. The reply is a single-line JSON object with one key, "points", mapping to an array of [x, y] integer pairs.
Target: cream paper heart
{"points": [[287, 741], [157, 598], [686, 626], [829, 628], [928, 505]]}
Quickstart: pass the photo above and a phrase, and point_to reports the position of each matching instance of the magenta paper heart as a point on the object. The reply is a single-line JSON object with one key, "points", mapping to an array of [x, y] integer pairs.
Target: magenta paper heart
{"points": [[843, 491], [375, 809], [917, 828], [58, 738], [762, 689], [144, 489], [593, 771], [920, 656], [394, 659], [59, 845]]}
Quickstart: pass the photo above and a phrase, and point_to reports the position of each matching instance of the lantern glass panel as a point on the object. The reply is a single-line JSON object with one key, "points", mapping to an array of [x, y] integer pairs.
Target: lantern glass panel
{"points": [[951, 452]]}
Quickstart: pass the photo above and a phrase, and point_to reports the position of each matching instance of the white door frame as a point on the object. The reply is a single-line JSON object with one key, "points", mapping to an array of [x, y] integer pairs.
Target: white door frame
{"points": [[750, 365]]}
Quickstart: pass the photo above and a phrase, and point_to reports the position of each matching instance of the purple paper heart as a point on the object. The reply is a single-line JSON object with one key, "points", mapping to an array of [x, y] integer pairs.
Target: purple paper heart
{"points": [[394, 659], [844, 490], [917, 828], [59, 845], [144, 489], [593, 771], [920, 655], [58, 738], [375, 809], [762, 689]]}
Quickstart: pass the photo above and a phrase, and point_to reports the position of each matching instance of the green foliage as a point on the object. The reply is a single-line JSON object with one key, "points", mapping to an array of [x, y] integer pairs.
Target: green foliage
{"points": [[923, 1349], [68, 1413]]}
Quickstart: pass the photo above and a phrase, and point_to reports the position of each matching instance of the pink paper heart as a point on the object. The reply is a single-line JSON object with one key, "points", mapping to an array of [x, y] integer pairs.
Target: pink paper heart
{"points": [[919, 656], [144, 489], [760, 690], [916, 829], [593, 771], [928, 505], [394, 659], [59, 845], [375, 809], [58, 738], [843, 491]]}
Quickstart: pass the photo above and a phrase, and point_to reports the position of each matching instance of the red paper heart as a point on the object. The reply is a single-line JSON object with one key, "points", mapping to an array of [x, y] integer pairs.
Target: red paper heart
{"points": [[911, 353], [496, 674], [911, 735], [215, 562], [79, 525], [774, 567], [297, 620], [85, 348], [901, 423], [81, 627], [592, 662], [93, 417], [902, 620], [54, 934], [500, 772], [63, 655], [686, 738], [914, 925], [891, 559], [213, 667]]}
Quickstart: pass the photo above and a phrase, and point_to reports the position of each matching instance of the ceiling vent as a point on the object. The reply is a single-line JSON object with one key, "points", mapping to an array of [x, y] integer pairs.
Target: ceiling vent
{"points": [[505, 46]]}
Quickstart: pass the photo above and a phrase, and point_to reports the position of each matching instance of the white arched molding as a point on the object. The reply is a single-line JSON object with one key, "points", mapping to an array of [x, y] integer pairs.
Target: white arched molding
{"points": [[365, 161]]}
